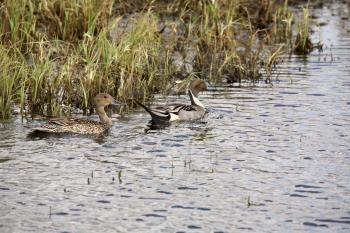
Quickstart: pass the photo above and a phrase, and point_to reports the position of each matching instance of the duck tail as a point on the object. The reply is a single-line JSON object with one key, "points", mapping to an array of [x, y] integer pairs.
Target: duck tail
{"points": [[143, 106], [158, 116], [46, 129], [43, 130], [39, 132]]}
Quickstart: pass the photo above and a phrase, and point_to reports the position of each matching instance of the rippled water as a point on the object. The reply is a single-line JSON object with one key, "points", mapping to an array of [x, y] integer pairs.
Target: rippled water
{"points": [[265, 159]]}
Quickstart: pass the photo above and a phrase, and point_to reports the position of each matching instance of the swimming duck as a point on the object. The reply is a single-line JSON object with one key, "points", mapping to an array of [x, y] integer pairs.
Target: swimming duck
{"points": [[183, 112], [82, 126]]}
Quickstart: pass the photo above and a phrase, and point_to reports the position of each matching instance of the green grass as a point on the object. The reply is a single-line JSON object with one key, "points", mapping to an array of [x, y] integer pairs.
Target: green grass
{"points": [[57, 54], [303, 43], [10, 77]]}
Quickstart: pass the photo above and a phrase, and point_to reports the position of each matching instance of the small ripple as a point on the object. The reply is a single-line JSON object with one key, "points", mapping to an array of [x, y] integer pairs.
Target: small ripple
{"points": [[172, 145], [322, 198], [315, 94], [159, 210], [165, 192], [103, 201], [307, 186], [307, 191], [245, 228], [136, 148], [5, 159], [186, 188], [346, 84], [182, 207], [311, 224], [333, 221], [203, 209], [75, 209], [297, 195], [286, 105], [156, 151], [60, 213], [288, 92], [149, 143], [152, 198], [193, 227], [154, 215]]}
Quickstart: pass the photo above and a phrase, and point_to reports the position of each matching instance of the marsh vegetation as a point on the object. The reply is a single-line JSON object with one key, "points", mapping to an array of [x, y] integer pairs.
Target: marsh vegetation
{"points": [[56, 55]]}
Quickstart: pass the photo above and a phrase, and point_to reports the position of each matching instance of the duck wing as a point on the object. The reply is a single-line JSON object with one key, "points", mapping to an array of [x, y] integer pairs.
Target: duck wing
{"points": [[161, 114], [181, 107], [71, 121], [71, 125]]}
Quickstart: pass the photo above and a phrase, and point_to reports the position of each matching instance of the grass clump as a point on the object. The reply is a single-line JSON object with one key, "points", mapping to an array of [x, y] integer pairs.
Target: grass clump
{"points": [[59, 53], [10, 79], [303, 44], [17, 22]]}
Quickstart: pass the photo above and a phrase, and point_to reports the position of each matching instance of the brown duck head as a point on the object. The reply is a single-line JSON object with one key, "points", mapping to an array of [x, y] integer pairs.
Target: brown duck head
{"points": [[197, 85], [103, 100]]}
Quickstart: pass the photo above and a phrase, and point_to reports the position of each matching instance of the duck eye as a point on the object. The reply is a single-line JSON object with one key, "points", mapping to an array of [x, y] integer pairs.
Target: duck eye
{"points": [[105, 96]]}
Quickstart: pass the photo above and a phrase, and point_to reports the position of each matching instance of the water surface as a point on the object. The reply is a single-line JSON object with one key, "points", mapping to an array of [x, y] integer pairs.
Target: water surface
{"points": [[265, 159]]}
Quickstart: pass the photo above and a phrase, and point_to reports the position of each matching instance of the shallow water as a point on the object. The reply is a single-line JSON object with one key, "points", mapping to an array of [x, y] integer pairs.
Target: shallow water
{"points": [[265, 159]]}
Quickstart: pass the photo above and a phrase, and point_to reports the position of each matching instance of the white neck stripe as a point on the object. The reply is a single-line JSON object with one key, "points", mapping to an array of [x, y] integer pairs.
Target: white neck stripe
{"points": [[197, 102]]}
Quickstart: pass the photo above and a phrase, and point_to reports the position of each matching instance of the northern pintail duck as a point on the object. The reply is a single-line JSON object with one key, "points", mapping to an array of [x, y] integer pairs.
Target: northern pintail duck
{"points": [[183, 112], [82, 126]]}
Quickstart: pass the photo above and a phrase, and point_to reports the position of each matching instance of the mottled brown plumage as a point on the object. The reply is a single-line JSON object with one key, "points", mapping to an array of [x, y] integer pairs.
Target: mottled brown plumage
{"points": [[82, 126]]}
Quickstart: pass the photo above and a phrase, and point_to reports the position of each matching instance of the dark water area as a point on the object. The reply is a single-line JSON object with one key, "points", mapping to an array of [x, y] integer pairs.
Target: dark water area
{"points": [[265, 159]]}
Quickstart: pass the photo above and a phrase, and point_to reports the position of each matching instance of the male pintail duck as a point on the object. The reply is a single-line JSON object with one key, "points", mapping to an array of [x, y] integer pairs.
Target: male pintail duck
{"points": [[82, 126], [183, 112]]}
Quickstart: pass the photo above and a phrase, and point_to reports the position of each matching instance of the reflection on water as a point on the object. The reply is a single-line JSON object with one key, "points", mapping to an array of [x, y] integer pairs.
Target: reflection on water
{"points": [[264, 159]]}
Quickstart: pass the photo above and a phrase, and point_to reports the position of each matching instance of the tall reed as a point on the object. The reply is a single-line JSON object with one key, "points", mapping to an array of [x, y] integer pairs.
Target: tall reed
{"points": [[57, 54], [10, 77], [303, 44]]}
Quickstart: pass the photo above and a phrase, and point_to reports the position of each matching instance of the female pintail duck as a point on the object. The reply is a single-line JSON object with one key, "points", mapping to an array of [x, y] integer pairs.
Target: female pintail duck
{"points": [[82, 126], [183, 112]]}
